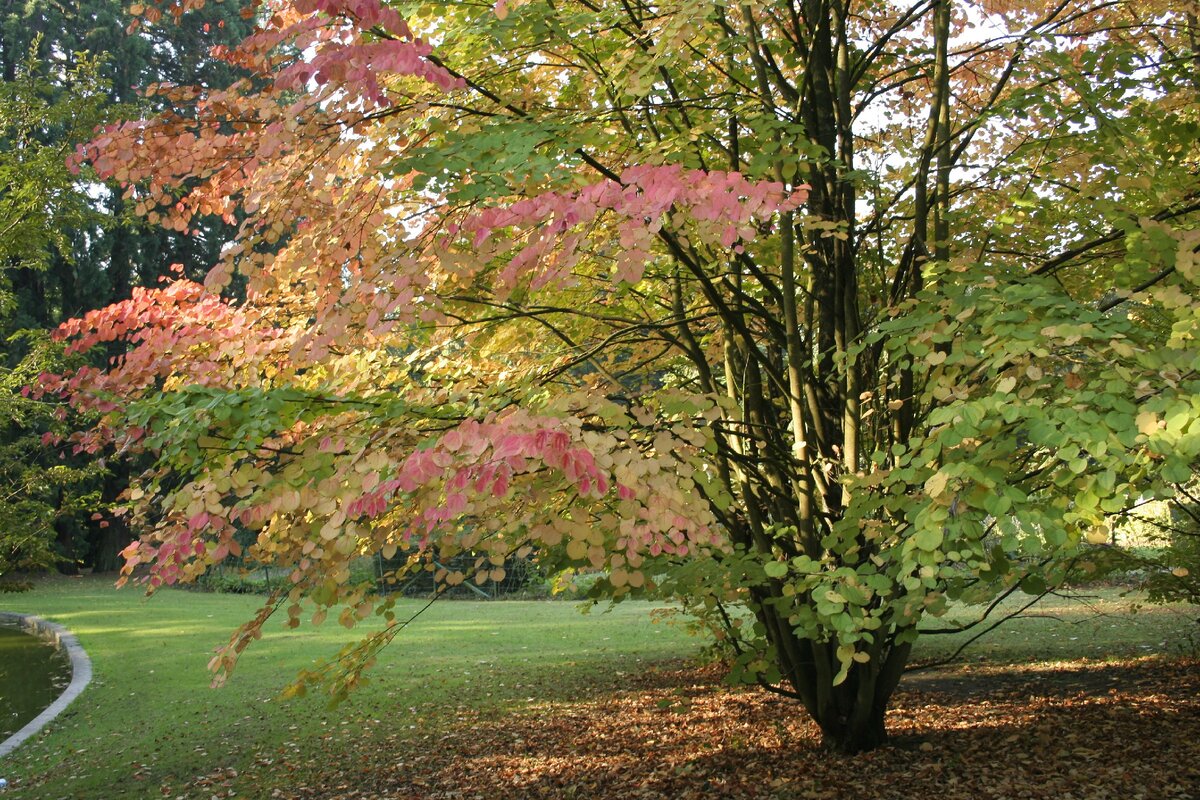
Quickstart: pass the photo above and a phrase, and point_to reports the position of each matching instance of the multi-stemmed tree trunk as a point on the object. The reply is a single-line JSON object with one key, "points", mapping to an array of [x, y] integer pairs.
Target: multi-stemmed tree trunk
{"points": [[799, 311]]}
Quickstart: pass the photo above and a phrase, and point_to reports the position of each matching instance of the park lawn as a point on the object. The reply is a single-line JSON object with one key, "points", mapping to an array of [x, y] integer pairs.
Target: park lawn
{"points": [[1089, 623], [149, 726], [150, 720]]}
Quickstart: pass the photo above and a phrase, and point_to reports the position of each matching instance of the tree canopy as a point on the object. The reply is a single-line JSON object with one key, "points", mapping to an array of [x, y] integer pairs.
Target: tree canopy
{"points": [[817, 315]]}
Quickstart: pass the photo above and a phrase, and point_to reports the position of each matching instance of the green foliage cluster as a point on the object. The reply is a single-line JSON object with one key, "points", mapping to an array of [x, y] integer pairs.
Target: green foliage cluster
{"points": [[45, 501]]}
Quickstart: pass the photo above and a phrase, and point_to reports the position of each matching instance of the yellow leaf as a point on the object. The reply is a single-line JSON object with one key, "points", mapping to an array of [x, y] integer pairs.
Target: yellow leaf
{"points": [[1121, 348], [1180, 572], [289, 501], [1006, 385], [1147, 422], [936, 485], [1186, 263]]}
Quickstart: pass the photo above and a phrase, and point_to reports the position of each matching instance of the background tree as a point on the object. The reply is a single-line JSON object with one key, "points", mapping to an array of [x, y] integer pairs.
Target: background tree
{"points": [[67, 243], [43, 500], [103, 262], [816, 315]]}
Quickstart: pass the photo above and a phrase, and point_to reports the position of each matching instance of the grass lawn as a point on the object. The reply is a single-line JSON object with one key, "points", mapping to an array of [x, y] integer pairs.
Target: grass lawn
{"points": [[149, 726], [1090, 624], [150, 720]]}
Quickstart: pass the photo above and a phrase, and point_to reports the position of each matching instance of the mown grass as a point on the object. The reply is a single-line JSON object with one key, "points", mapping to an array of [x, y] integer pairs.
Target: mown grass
{"points": [[150, 720], [1102, 623], [149, 726]]}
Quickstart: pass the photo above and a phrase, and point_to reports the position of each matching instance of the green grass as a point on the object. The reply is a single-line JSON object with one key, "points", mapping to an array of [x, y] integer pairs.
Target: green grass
{"points": [[1100, 623], [150, 723], [151, 719]]}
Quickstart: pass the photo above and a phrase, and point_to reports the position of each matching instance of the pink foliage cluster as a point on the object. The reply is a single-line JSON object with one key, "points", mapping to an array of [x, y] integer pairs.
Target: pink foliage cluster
{"points": [[472, 467], [728, 210], [479, 460], [179, 330], [367, 13], [185, 545], [356, 66]]}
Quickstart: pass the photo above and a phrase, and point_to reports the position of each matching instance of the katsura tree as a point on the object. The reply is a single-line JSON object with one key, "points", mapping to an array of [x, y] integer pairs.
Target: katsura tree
{"points": [[815, 315]]}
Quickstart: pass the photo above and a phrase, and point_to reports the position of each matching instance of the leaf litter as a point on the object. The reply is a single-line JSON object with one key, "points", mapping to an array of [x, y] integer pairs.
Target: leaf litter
{"points": [[1126, 730]]}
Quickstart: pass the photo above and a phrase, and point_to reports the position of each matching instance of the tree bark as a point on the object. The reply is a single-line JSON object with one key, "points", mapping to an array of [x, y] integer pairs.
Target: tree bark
{"points": [[855, 719]]}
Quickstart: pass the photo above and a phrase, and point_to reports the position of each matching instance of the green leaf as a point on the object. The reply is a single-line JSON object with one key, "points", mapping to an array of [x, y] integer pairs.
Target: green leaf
{"points": [[775, 569], [1033, 584], [928, 538]]}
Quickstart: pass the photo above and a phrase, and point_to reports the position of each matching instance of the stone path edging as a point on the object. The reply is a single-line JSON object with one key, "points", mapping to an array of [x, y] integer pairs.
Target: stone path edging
{"points": [[81, 673]]}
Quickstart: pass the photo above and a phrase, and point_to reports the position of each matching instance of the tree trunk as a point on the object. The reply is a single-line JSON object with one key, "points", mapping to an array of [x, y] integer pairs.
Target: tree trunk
{"points": [[110, 540], [852, 714], [858, 733], [120, 265]]}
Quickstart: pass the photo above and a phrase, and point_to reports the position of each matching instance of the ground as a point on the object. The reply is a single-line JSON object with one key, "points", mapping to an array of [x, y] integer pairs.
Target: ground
{"points": [[1079, 699], [1081, 731]]}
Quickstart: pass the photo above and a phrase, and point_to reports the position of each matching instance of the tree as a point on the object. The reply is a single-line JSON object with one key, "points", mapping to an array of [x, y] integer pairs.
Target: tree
{"points": [[45, 501], [42, 499], [67, 244], [41, 201], [815, 315]]}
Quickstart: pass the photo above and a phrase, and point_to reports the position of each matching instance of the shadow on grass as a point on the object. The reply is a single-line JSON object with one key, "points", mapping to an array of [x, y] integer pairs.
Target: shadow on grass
{"points": [[1051, 679]]}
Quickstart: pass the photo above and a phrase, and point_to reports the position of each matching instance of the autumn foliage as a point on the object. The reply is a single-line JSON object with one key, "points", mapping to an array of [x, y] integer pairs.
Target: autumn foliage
{"points": [[827, 314]]}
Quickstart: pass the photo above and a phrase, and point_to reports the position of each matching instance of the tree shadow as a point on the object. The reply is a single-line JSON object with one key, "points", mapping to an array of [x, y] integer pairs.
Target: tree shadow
{"points": [[1053, 679]]}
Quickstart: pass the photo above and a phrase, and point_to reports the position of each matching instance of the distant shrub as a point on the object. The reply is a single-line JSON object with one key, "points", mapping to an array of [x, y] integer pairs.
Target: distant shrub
{"points": [[235, 580]]}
